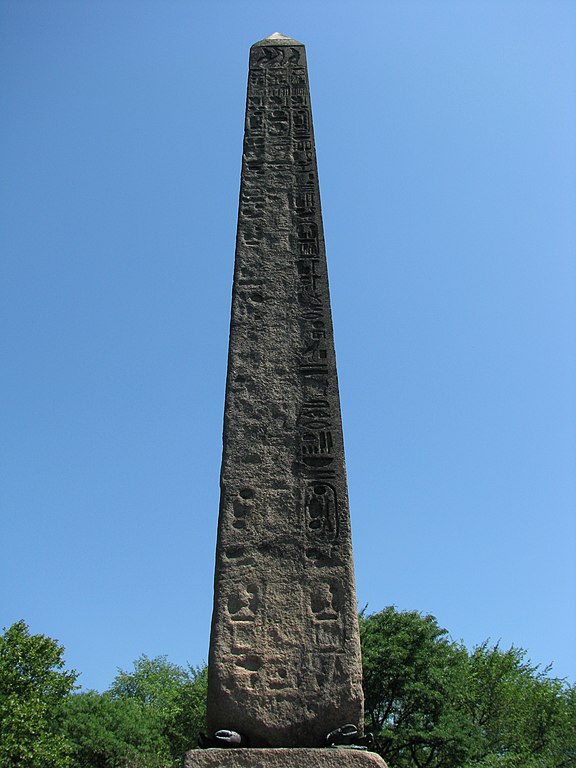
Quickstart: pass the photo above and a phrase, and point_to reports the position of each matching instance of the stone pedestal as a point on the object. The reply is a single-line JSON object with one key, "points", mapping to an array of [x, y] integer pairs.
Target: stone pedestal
{"points": [[282, 758]]}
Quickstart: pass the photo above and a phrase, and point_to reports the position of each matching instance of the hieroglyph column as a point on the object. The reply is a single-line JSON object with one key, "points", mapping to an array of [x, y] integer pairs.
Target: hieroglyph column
{"points": [[284, 665]]}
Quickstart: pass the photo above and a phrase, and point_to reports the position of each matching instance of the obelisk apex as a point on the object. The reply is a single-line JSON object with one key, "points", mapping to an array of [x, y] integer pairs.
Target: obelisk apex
{"points": [[277, 38], [284, 666]]}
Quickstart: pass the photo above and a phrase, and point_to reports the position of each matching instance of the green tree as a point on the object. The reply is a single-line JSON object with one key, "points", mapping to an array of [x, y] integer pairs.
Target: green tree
{"points": [[173, 697], [524, 716], [413, 688], [33, 686], [113, 733], [189, 716], [431, 703]]}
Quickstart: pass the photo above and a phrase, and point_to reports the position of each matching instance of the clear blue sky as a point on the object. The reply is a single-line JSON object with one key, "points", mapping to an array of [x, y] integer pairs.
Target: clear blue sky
{"points": [[446, 139]]}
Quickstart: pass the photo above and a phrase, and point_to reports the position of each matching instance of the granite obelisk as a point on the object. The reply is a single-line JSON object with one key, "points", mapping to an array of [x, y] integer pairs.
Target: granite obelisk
{"points": [[284, 666]]}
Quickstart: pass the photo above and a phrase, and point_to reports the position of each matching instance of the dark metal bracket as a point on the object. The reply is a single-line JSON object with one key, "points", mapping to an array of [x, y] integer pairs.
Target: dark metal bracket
{"points": [[223, 739], [346, 737]]}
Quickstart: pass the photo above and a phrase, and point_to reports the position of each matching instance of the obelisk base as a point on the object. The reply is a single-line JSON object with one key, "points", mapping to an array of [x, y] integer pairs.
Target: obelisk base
{"points": [[282, 758]]}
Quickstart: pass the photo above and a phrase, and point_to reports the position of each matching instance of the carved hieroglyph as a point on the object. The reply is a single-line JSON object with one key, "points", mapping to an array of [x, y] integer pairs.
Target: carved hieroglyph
{"points": [[284, 665]]}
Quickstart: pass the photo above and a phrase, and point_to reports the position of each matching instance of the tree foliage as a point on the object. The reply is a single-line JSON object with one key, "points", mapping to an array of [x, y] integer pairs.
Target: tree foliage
{"points": [[147, 719], [113, 733], [523, 716], [174, 697], [33, 686], [429, 702], [412, 683]]}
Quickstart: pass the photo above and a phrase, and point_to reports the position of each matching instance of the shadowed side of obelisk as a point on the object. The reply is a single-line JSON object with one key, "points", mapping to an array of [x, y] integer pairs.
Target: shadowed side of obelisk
{"points": [[284, 666]]}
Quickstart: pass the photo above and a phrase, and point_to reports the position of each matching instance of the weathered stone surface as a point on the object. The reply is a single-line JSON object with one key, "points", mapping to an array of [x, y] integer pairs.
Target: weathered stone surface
{"points": [[284, 666], [282, 758]]}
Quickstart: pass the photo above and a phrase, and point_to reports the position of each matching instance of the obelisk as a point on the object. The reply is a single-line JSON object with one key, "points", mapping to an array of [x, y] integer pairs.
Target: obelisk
{"points": [[284, 665]]}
